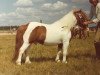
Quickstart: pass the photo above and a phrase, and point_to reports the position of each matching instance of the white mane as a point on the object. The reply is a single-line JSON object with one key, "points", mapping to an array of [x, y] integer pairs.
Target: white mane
{"points": [[69, 20]]}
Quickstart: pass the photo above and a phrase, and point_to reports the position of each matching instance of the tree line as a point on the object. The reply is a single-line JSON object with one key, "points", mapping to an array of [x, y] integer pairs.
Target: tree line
{"points": [[8, 27]]}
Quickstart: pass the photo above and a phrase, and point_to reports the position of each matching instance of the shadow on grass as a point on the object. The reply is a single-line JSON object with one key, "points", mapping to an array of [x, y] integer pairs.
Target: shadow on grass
{"points": [[42, 59], [79, 56], [76, 56]]}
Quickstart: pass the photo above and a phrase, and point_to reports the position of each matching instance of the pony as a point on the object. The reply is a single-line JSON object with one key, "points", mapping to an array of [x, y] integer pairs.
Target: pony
{"points": [[57, 33]]}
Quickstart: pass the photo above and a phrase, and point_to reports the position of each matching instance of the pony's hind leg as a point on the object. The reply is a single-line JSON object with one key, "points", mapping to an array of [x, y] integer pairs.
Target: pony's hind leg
{"points": [[21, 51], [27, 60], [59, 52]]}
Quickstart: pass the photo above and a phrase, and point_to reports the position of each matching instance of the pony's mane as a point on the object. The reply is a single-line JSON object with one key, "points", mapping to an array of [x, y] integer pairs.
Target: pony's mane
{"points": [[85, 16]]}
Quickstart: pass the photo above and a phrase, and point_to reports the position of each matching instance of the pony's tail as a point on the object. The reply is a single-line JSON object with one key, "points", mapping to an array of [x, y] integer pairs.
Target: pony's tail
{"points": [[19, 40]]}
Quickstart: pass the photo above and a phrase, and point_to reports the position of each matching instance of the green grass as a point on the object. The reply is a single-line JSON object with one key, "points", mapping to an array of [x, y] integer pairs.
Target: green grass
{"points": [[81, 59]]}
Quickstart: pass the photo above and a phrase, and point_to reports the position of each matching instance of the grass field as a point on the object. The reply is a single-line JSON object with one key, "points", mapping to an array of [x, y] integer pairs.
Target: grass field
{"points": [[81, 59]]}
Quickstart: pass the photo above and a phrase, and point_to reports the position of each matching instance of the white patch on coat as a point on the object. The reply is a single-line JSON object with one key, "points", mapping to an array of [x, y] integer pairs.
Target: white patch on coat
{"points": [[54, 32]]}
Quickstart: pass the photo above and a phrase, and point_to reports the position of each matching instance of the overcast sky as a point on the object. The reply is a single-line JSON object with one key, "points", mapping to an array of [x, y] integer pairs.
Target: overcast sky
{"points": [[16, 12]]}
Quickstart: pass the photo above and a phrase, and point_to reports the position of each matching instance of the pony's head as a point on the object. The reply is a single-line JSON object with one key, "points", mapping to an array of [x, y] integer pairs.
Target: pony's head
{"points": [[81, 17]]}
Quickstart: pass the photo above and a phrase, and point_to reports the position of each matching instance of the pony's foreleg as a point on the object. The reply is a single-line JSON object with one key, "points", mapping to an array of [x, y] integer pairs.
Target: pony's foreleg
{"points": [[65, 48], [58, 55], [21, 51], [59, 52], [27, 56]]}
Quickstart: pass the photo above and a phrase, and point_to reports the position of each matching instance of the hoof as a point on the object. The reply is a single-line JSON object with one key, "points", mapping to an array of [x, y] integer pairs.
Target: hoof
{"points": [[28, 62], [64, 62], [57, 60], [18, 63]]}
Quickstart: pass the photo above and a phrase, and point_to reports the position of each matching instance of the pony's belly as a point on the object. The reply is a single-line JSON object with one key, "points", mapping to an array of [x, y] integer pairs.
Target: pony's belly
{"points": [[52, 41], [50, 44]]}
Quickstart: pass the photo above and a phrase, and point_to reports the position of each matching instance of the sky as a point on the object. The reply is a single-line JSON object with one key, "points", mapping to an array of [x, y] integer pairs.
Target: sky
{"points": [[17, 12]]}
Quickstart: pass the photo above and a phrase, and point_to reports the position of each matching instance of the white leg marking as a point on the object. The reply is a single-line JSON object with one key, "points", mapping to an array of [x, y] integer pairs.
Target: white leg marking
{"points": [[65, 47], [66, 40], [57, 57], [27, 60], [21, 51]]}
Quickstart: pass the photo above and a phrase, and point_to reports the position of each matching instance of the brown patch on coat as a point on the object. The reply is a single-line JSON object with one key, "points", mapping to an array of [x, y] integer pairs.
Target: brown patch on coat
{"points": [[38, 35], [19, 40]]}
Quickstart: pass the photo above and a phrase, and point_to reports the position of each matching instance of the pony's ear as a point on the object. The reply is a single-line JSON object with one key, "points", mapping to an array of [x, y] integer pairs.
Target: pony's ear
{"points": [[76, 10]]}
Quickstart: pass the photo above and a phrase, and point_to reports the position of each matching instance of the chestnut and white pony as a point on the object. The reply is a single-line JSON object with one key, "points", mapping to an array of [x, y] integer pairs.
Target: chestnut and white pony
{"points": [[57, 33]]}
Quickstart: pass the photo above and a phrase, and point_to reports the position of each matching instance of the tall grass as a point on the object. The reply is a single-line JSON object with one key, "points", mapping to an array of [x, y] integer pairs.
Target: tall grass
{"points": [[81, 59]]}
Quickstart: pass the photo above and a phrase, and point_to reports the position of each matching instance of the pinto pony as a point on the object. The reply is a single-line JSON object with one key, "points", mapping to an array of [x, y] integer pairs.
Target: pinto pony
{"points": [[57, 33]]}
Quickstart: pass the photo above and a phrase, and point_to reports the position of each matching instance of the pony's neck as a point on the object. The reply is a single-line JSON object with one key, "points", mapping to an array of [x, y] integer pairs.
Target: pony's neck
{"points": [[68, 20]]}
